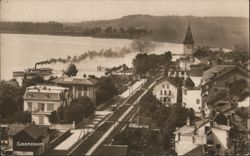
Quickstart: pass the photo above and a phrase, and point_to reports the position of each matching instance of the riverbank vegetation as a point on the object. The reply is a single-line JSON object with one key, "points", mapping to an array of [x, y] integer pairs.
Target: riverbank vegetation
{"points": [[227, 31]]}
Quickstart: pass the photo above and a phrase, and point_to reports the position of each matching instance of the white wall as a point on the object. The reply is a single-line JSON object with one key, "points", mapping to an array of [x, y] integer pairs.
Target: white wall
{"points": [[190, 99], [222, 135], [35, 119], [188, 49], [57, 104], [159, 87], [196, 80], [244, 103]]}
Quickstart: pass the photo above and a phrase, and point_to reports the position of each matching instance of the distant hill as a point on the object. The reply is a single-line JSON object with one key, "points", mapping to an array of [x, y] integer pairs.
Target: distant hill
{"points": [[211, 31]]}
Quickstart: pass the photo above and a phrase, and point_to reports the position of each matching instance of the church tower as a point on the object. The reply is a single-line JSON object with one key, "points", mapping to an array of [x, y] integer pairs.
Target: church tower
{"points": [[188, 43]]}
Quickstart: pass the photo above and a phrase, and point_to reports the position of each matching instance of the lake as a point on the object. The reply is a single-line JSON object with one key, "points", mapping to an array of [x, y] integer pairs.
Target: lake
{"points": [[22, 51]]}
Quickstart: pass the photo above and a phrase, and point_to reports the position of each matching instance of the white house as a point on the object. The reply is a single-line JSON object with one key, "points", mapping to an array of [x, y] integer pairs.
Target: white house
{"points": [[191, 98], [42, 100], [166, 90]]}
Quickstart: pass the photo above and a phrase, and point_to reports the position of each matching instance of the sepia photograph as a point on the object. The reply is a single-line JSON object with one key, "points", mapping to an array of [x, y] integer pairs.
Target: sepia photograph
{"points": [[124, 78]]}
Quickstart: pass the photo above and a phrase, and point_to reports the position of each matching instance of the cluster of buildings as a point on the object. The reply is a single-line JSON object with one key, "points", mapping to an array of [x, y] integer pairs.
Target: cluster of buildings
{"points": [[210, 94], [43, 101]]}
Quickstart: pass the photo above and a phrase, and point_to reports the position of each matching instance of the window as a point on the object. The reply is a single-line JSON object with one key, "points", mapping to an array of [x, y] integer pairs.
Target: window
{"points": [[85, 88], [165, 99], [197, 101], [50, 107], [169, 99], [41, 120], [185, 92], [30, 106], [169, 92], [161, 92], [41, 106], [163, 86], [182, 72], [165, 92], [167, 86]]}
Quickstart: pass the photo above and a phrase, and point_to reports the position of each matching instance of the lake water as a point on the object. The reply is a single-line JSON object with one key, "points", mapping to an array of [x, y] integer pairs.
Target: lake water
{"points": [[21, 51]]}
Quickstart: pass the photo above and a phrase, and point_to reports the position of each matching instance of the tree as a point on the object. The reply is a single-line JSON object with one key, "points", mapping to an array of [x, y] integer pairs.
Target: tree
{"points": [[11, 98], [78, 109], [71, 70], [106, 90], [22, 117]]}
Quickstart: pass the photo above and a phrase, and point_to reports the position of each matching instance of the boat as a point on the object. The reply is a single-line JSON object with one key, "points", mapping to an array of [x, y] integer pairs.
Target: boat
{"points": [[33, 72]]}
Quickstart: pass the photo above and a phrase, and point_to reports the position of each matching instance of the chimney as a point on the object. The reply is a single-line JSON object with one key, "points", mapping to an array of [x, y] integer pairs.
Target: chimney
{"points": [[179, 136], [195, 130], [73, 125], [211, 123], [229, 120], [188, 121]]}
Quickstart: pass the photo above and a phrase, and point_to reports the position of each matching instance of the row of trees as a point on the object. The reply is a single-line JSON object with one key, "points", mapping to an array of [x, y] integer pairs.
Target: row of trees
{"points": [[61, 29], [239, 54]]}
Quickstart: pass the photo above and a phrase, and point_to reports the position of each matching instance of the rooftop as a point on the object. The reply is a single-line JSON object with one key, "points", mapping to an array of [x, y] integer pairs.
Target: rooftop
{"points": [[13, 129], [189, 36], [36, 131], [208, 74], [196, 71], [76, 80], [174, 81]]}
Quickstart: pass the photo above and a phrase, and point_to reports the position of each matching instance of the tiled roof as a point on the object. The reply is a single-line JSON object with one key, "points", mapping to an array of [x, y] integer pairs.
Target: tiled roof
{"points": [[207, 75], [36, 131], [198, 151], [76, 80], [189, 83], [174, 81], [33, 95], [15, 128], [196, 71]]}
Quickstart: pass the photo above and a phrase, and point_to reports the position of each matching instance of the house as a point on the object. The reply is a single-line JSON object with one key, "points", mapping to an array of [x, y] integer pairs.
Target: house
{"points": [[167, 90], [79, 86], [32, 140], [8, 131], [216, 78], [42, 100], [172, 73], [202, 137], [191, 98]]}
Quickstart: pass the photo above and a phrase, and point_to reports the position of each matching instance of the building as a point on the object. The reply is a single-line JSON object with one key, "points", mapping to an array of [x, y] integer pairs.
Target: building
{"points": [[191, 98], [176, 73], [8, 131], [167, 90], [79, 86], [42, 100], [202, 137], [188, 43], [32, 140], [216, 78]]}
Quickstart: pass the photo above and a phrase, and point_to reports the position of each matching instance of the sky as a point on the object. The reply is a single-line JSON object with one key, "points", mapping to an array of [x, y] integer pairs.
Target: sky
{"points": [[85, 10]]}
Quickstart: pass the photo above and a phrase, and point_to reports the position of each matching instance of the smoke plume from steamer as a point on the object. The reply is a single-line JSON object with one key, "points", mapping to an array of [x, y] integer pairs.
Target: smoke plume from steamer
{"points": [[137, 45]]}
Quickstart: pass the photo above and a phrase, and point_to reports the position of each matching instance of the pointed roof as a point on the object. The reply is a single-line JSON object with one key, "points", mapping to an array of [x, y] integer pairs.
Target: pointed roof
{"points": [[189, 37]]}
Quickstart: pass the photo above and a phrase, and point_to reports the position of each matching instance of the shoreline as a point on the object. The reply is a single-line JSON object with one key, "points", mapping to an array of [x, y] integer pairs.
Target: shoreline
{"points": [[79, 35]]}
